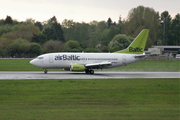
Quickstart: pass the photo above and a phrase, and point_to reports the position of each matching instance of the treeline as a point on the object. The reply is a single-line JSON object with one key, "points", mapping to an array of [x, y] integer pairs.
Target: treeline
{"points": [[33, 37]]}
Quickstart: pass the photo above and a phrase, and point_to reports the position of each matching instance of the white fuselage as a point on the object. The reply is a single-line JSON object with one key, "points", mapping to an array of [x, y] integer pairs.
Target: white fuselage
{"points": [[64, 60]]}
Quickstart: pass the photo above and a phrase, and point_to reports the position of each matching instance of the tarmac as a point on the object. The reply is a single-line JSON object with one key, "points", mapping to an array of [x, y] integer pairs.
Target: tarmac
{"points": [[81, 75]]}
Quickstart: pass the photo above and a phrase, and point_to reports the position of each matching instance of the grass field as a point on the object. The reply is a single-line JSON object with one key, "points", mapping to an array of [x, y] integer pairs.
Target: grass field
{"points": [[102, 99], [168, 66]]}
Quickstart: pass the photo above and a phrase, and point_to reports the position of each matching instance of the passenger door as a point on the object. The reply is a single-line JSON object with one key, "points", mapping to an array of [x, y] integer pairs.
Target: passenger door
{"points": [[50, 58]]}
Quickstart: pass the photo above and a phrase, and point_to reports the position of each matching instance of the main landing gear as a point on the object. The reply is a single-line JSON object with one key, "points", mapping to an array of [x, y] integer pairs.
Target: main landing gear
{"points": [[89, 71]]}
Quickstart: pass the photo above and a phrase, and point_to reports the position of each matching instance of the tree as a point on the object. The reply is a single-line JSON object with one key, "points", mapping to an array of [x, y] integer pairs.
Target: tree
{"points": [[39, 25], [104, 49], [92, 50], [114, 49], [15, 22], [68, 27], [52, 46], [120, 25], [23, 31], [87, 35], [53, 19], [83, 34], [5, 29], [3, 44], [58, 32], [120, 41], [102, 25], [40, 38], [72, 44], [77, 31], [166, 28], [47, 24], [105, 37], [8, 20], [1, 22], [99, 35], [19, 46], [112, 32], [175, 30], [35, 48], [29, 21], [49, 33], [54, 32], [109, 22], [108, 35], [142, 18], [93, 34], [67, 23]]}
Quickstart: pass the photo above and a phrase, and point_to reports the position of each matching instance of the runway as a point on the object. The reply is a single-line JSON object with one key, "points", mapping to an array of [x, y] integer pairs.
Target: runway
{"points": [[82, 75]]}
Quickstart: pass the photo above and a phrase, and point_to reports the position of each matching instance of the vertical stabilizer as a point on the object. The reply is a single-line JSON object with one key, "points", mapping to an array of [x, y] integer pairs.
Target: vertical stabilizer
{"points": [[138, 45]]}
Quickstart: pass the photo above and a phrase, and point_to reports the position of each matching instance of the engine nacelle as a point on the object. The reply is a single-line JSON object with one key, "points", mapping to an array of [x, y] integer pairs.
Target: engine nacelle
{"points": [[77, 67]]}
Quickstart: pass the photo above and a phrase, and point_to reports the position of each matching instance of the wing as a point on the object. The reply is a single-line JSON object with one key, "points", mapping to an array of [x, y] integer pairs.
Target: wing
{"points": [[100, 65]]}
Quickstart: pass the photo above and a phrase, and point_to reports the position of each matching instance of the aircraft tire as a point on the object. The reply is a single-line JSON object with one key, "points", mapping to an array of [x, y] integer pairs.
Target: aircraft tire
{"points": [[91, 71]]}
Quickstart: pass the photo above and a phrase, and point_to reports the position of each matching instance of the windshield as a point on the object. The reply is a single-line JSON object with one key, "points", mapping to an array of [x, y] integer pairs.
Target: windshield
{"points": [[39, 58]]}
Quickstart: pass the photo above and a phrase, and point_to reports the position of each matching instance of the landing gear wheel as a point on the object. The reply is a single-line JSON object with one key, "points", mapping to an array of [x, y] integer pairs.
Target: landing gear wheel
{"points": [[91, 71], [45, 71]]}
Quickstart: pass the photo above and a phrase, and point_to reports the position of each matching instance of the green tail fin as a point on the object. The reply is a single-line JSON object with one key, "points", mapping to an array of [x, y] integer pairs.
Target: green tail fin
{"points": [[138, 45]]}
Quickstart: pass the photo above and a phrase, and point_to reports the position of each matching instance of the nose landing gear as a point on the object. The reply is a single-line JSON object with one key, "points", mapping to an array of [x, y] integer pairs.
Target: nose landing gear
{"points": [[45, 71]]}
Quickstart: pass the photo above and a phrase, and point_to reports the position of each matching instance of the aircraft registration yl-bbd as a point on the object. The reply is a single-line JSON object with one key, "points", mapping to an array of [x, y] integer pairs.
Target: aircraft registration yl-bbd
{"points": [[89, 61]]}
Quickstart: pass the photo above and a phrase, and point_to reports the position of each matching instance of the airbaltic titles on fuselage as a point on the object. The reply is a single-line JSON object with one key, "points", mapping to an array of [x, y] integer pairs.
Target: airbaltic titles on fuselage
{"points": [[67, 57]]}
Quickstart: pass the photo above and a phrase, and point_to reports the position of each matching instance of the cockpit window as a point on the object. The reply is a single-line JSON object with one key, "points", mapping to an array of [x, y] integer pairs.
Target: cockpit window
{"points": [[39, 57]]}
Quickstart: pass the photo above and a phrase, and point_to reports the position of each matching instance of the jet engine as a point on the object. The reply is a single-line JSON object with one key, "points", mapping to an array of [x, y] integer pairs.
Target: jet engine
{"points": [[77, 67]]}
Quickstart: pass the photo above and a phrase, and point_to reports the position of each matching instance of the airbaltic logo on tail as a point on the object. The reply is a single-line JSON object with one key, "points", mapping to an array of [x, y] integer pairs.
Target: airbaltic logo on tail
{"points": [[137, 49], [67, 57]]}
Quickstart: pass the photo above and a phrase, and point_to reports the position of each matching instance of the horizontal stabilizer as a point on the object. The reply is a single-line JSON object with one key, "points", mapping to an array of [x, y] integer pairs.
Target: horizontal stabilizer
{"points": [[140, 56]]}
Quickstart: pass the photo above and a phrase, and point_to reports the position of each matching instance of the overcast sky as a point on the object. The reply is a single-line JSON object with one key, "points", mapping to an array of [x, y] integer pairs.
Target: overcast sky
{"points": [[80, 10]]}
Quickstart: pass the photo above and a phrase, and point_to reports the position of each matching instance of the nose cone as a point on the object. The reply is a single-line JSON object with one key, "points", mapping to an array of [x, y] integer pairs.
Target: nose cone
{"points": [[33, 62]]}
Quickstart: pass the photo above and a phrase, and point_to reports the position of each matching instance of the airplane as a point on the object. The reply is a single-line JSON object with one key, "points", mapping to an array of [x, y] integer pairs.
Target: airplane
{"points": [[86, 62]]}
